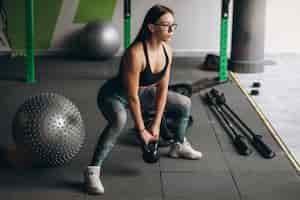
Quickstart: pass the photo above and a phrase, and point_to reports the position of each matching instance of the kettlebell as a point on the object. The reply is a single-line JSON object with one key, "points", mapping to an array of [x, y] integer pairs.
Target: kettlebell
{"points": [[151, 152]]}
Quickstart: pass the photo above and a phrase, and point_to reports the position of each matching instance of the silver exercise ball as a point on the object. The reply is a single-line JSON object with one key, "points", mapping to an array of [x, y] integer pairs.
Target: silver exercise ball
{"points": [[99, 40], [49, 128]]}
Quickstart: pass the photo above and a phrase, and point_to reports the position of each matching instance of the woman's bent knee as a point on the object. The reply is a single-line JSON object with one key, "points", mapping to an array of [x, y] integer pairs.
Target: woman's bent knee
{"points": [[185, 105]]}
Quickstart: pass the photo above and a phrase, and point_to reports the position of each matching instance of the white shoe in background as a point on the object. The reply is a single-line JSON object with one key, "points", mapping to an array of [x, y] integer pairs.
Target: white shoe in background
{"points": [[184, 150]]}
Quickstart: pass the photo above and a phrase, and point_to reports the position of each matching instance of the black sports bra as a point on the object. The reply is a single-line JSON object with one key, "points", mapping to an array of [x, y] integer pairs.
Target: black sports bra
{"points": [[146, 76]]}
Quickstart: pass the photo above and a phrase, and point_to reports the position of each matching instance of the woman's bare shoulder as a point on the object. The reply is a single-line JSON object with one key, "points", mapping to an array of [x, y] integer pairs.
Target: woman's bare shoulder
{"points": [[135, 50], [169, 49], [133, 56]]}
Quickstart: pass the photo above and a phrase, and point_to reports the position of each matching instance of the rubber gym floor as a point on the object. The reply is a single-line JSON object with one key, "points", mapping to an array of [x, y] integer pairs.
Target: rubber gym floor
{"points": [[221, 174]]}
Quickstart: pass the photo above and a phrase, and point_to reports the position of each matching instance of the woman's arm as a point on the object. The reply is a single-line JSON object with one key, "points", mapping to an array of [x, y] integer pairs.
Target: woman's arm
{"points": [[132, 66]]}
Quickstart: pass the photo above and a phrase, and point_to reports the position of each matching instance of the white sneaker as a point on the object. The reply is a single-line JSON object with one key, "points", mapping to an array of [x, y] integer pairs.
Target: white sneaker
{"points": [[184, 150], [92, 180]]}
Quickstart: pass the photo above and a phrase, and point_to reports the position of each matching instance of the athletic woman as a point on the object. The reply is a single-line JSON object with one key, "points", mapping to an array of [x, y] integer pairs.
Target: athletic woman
{"points": [[142, 84]]}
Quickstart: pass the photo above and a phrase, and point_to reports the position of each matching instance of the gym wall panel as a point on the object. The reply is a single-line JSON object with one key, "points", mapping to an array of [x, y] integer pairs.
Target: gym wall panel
{"points": [[198, 21], [282, 27], [197, 34], [46, 13], [198, 24], [90, 10], [67, 26]]}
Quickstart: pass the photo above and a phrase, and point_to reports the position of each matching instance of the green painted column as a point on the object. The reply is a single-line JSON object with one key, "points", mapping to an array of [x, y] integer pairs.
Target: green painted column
{"points": [[127, 23], [29, 21], [223, 66]]}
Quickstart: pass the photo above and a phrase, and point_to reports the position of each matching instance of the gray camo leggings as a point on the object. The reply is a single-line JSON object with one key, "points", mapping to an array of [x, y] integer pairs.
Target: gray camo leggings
{"points": [[113, 106]]}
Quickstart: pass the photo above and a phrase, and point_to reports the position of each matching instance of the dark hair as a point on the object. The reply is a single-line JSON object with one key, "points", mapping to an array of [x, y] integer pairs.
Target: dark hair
{"points": [[152, 16]]}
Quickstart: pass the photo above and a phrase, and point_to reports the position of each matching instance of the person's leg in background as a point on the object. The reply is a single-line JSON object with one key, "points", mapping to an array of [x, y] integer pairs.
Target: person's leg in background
{"points": [[180, 107]]}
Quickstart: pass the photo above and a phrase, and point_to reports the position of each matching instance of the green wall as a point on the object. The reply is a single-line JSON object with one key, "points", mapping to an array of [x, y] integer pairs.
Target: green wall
{"points": [[89, 10], [46, 15]]}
